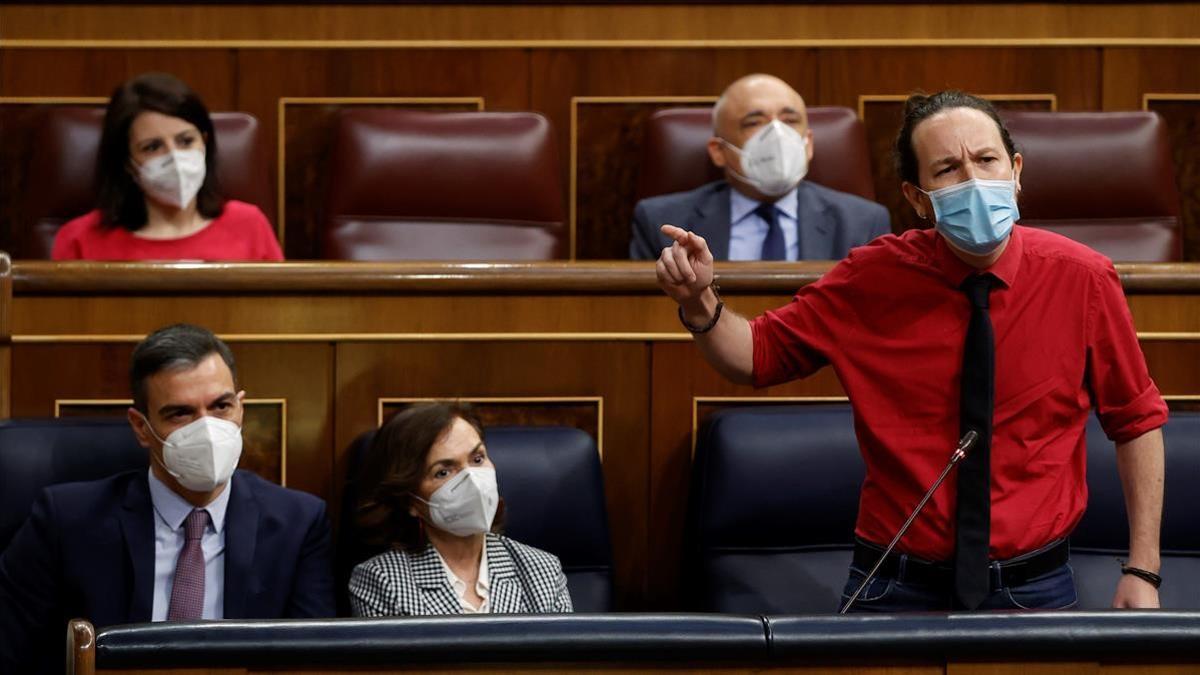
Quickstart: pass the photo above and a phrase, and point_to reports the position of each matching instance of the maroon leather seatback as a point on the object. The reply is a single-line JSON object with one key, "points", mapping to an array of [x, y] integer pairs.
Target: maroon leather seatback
{"points": [[674, 157], [1103, 179], [410, 185], [60, 175]]}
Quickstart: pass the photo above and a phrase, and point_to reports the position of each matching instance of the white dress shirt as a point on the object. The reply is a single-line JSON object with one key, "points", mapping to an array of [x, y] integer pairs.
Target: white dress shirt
{"points": [[747, 231], [460, 586], [170, 510]]}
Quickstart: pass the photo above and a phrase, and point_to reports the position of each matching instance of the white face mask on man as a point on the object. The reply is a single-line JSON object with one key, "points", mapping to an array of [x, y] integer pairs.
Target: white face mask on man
{"points": [[174, 178], [774, 159], [203, 453], [466, 504]]}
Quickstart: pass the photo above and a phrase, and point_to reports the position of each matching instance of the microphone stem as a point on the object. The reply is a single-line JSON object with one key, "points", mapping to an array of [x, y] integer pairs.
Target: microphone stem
{"points": [[954, 459]]}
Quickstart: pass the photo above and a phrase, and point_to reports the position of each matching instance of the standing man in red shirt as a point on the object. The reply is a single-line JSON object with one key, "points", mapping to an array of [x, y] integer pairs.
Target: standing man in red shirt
{"points": [[976, 324]]}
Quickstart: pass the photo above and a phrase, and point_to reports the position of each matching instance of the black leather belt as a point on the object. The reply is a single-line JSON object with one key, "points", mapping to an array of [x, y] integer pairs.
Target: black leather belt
{"points": [[1013, 572]]}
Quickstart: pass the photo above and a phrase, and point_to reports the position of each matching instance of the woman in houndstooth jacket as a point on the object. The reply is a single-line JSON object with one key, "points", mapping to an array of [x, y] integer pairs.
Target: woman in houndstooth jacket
{"points": [[429, 495]]}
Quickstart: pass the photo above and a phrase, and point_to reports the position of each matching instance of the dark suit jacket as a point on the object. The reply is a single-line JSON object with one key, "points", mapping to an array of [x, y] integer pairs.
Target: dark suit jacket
{"points": [[87, 551], [830, 222]]}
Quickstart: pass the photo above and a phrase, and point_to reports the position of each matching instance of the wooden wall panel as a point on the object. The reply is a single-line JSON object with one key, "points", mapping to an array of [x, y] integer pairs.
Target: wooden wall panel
{"points": [[966, 22], [1182, 115], [1071, 74], [408, 331], [616, 372], [78, 71]]}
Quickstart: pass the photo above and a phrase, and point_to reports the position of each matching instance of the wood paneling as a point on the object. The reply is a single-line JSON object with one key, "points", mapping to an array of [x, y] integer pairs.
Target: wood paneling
{"points": [[1071, 74], [607, 145], [212, 73], [618, 373], [551, 77], [347, 335], [1182, 115], [968, 23]]}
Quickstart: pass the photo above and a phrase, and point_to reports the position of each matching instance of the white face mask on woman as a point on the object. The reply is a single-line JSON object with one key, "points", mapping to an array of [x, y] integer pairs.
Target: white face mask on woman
{"points": [[174, 178], [466, 504], [202, 454], [774, 159]]}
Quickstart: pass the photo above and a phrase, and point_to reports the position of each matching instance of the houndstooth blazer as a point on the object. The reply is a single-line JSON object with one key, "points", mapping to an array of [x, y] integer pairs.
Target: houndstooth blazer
{"points": [[397, 583]]}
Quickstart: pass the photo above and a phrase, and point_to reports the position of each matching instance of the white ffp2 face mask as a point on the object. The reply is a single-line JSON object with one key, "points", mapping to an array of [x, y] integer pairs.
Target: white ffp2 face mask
{"points": [[774, 159], [174, 178], [202, 454], [465, 504]]}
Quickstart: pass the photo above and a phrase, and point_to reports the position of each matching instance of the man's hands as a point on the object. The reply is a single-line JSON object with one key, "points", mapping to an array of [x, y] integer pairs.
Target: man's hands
{"points": [[1135, 593], [685, 269]]}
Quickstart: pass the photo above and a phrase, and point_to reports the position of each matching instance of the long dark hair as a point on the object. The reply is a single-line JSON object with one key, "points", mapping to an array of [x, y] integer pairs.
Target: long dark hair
{"points": [[121, 201], [393, 468], [920, 107]]}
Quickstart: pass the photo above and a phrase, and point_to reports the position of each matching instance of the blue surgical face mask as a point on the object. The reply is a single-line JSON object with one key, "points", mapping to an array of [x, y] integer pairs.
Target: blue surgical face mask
{"points": [[976, 215]]}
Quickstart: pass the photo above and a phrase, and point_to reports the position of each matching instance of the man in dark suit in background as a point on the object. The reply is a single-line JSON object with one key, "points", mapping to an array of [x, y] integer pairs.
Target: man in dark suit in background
{"points": [[189, 539], [763, 210]]}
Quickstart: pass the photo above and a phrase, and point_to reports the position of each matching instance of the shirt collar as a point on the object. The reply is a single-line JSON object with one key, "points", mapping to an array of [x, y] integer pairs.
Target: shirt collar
{"points": [[741, 206], [174, 509], [460, 586], [1005, 269]]}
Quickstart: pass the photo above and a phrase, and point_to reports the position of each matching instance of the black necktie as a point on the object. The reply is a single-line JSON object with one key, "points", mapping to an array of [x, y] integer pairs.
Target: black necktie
{"points": [[978, 392], [774, 248]]}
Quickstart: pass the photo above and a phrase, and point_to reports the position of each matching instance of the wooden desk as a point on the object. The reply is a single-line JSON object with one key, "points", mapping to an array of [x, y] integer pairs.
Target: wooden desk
{"points": [[324, 349]]}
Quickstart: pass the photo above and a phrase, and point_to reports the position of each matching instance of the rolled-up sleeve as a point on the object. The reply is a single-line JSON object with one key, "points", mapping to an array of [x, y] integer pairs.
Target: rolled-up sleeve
{"points": [[1127, 400]]}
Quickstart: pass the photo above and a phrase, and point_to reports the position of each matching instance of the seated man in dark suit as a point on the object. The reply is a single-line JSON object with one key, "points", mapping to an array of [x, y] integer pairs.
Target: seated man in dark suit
{"points": [[189, 539], [764, 209]]}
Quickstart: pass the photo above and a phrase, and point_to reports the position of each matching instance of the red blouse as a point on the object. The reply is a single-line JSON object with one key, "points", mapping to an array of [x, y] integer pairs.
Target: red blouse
{"points": [[241, 232], [891, 321]]}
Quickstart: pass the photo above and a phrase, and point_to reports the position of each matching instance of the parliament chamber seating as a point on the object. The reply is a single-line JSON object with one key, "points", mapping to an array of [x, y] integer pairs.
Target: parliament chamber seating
{"points": [[675, 159], [775, 496], [409, 185], [60, 183], [36, 453], [1105, 179], [553, 492]]}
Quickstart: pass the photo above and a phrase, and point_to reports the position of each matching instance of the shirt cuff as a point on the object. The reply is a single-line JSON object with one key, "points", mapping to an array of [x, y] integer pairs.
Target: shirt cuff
{"points": [[1145, 413]]}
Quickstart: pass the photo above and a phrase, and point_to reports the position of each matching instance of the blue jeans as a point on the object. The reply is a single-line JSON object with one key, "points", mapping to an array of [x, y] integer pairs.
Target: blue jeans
{"points": [[1053, 590]]}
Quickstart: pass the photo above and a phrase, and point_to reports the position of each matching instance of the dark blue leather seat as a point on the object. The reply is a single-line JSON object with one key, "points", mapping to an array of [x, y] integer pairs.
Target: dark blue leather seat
{"points": [[553, 492], [438, 641], [775, 497], [1102, 537], [35, 453]]}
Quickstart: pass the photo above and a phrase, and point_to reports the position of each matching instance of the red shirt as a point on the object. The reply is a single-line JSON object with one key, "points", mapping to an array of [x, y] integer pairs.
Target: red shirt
{"points": [[241, 232], [891, 320]]}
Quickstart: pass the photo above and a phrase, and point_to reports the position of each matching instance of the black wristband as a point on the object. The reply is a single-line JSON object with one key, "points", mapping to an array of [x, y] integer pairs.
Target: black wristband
{"points": [[716, 314], [1145, 575]]}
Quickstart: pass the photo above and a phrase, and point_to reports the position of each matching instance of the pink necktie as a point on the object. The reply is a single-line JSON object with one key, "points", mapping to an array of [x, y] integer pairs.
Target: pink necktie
{"points": [[187, 591]]}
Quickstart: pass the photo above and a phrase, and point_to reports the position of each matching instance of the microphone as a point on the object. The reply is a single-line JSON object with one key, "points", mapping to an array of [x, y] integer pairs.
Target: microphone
{"points": [[964, 444]]}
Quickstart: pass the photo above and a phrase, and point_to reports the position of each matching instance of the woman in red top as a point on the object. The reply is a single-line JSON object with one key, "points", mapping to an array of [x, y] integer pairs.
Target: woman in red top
{"points": [[158, 194]]}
